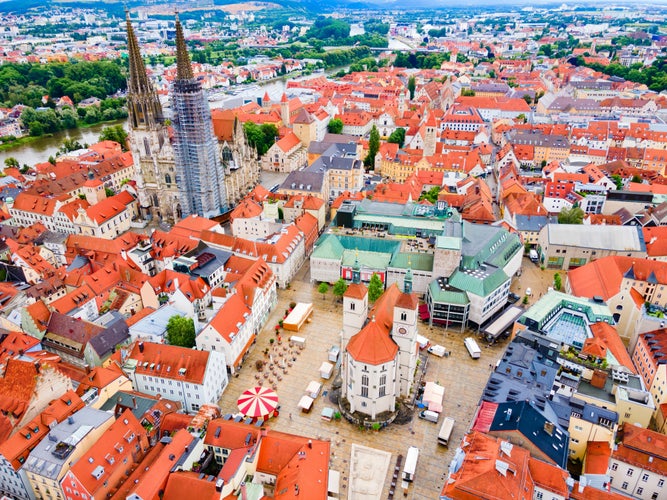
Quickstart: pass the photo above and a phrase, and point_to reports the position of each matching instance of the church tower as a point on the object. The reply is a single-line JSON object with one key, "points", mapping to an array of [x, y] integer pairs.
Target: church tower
{"points": [[199, 174], [402, 103], [431, 136], [404, 333], [149, 138], [355, 306], [284, 110]]}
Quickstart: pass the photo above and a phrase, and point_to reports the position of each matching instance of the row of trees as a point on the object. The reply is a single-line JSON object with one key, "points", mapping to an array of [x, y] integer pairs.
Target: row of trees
{"points": [[654, 76], [375, 288], [48, 121], [29, 83], [421, 60], [329, 31]]}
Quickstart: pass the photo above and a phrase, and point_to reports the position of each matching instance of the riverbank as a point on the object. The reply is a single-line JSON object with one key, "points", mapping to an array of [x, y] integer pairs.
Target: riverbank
{"points": [[30, 150]]}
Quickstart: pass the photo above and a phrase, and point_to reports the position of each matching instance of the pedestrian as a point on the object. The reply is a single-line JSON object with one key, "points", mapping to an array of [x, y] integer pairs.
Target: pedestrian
{"points": [[290, 417]]}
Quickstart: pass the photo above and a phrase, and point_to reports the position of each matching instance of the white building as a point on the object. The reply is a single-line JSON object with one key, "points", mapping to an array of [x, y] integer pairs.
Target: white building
{"points": [[187, 375], [638, 465], [379, 360]]}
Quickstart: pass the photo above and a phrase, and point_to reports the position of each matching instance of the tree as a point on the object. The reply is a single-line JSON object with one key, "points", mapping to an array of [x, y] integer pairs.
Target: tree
{"points": [[373, 147], [11, 162], [340, 287], [618, 181], [69, 145], [412, 84], [115, 133], [431, 195], [375, 287], [574, 215], [636, 179], [397, 137], [335, 126], [181, 331], [323, 288], [558, 282]]}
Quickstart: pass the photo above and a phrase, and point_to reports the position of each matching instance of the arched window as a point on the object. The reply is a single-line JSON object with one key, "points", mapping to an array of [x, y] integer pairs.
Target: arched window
{"points": [[167, 179]]}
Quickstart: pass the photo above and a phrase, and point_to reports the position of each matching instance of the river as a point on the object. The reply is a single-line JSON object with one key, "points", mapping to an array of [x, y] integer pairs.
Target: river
{"points": [[40, 149]]}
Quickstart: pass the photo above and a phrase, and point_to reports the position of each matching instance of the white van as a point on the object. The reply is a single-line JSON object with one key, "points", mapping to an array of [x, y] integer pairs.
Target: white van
{"points": [[437, 350], [473, 349], [429, 415], [446, 431]]}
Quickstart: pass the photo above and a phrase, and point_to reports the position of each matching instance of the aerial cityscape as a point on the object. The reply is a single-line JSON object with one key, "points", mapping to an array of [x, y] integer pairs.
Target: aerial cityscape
{"points": [[363, 250]]}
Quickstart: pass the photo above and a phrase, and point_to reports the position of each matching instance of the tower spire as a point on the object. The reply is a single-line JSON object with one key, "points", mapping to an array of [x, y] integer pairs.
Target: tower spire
{"points": [[143, 104], [183, 66]]}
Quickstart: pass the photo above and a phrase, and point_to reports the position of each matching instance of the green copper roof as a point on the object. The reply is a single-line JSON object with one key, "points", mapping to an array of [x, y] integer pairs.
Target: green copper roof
{"points": [[418, 261], [449, 295], [481, 283], [541, 311]]}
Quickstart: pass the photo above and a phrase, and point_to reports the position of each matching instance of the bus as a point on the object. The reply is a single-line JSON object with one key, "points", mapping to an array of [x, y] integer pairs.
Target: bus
{"points": [[446, 431], [473, 349], [410, 464]]}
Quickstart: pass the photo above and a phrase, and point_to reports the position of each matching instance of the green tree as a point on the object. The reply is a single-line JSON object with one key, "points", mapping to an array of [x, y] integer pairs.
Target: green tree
{"points": [[115, 133], [397, 137], [340, 287], [430, 195], [109, 192], [11, 162], [558, 282], [412, 84], [69, 145], [618, 181], [261, 137], [181, 331], [335, 126], [636, 179], [323, 288], [375, 288], [373, 147], [574, 215]]}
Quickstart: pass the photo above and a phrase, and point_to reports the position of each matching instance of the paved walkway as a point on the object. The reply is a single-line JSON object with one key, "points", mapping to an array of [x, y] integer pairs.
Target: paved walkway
{"points": [[462, 377]]}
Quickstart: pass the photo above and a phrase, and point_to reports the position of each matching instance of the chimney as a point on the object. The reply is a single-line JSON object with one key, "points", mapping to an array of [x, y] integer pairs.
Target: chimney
{"points": [[244, 494], [141, 347], [176, 287], [310, 443], [599, 379], [134, 402]]}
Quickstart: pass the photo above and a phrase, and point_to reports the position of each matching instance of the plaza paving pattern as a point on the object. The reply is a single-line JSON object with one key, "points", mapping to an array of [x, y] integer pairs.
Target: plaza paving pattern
{"points": [[462, 377]]}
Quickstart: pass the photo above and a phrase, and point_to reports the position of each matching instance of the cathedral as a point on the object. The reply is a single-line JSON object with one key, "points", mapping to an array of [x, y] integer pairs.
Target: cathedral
{"points": [[182, 168], [379, 348]]}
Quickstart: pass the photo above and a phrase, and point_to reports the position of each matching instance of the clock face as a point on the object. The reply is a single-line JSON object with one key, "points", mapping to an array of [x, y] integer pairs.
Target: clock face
{"points": [[402, 331]]}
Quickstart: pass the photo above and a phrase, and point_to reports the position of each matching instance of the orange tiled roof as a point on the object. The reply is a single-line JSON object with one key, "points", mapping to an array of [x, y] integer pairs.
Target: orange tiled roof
{"points": [[372, 345], [603, 277], [642, 448], [171, 362]]}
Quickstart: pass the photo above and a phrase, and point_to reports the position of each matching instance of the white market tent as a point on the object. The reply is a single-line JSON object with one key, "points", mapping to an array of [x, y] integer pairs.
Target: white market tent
{"points": [[299, 315]]}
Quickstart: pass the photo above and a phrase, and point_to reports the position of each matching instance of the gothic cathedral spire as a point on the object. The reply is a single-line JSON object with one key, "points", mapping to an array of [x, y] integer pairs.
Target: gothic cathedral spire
{"points": [[143, 103], [183, 66]]}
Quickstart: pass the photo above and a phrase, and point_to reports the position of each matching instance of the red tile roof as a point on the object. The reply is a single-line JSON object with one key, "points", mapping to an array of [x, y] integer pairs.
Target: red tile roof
{"points": [[603, 277], [113, 453], [170, 362], [17, 448], [642, 448], [372, 345]]}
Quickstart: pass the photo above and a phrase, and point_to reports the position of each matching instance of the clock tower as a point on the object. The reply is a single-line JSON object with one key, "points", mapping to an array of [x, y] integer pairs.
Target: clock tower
{"points": [[404, 333], [355, 306]]}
